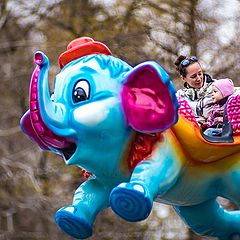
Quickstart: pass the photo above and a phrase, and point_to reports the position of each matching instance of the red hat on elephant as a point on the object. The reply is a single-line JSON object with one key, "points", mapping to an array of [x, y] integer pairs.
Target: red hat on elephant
{"points": [[80, 47]]}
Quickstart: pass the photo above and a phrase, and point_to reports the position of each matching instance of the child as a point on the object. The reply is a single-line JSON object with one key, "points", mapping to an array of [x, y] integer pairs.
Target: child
{"points": [[221, 90]]}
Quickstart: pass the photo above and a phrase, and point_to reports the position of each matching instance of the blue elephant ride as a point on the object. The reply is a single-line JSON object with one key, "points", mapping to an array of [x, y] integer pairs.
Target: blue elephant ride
{"points": [[125, 126]]}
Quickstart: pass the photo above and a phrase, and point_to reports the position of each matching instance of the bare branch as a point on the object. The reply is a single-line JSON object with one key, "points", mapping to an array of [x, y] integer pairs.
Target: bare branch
{"points": [[10, 131]]}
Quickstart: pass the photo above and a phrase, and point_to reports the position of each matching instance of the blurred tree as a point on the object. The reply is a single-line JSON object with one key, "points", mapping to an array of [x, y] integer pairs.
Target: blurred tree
{"points": [[31, 186], [141, 30], [117, 27], [26, 207], [193, 28]]}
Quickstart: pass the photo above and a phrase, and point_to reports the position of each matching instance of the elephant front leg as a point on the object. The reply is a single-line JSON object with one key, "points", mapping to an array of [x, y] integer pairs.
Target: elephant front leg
{"points": [[133, 200], [77, 219], [210, 219]]}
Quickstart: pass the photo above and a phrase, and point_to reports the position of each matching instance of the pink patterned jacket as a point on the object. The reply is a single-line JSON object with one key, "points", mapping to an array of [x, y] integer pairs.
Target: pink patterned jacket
{"points": [[215, 118]]}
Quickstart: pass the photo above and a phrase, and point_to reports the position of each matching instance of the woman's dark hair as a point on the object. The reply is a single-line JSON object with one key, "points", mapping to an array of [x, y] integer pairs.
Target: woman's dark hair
{"points": [[183, 62]]}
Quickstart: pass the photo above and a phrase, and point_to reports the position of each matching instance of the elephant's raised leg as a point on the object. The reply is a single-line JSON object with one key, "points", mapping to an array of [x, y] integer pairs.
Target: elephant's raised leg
{"points": [[77, 219], [133, 200], [210, 219]]}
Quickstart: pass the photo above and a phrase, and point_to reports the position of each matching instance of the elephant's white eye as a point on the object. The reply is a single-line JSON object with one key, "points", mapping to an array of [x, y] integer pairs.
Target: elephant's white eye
{"points": [[81, 91], [52, 97]]}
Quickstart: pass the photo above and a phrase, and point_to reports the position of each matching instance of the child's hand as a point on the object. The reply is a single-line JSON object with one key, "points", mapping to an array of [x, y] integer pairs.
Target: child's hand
{"points": [[218, 120]]}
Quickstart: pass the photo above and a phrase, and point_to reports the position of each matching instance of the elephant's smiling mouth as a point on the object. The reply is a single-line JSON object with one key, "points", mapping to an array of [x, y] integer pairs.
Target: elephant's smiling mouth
{"points": [[69, 151]]}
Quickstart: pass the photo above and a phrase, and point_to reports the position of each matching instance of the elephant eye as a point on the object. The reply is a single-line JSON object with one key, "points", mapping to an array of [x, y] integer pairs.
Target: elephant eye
{"points": [[52, 96], [81, 91]]}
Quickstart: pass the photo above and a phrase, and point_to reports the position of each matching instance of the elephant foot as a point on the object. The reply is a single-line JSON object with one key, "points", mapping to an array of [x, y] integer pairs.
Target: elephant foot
{"points": [[71, 224], [235, 236], [131, 201]]}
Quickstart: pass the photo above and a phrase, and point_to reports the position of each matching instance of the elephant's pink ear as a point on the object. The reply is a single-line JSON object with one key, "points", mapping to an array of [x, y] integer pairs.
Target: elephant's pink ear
{"points": [[148, 98]]}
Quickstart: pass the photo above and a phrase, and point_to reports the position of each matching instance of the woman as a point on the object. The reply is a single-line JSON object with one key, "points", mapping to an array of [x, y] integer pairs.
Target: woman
{"points": [[197, 87]]}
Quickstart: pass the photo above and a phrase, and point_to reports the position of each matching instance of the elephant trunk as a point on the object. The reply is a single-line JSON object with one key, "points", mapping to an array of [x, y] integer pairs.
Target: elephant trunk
{"points": [[52, 113], [47, 117]]}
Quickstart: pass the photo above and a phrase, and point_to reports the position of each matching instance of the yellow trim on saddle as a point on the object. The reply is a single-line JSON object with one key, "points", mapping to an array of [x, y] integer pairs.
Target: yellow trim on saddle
{"points": [[197, 148]]}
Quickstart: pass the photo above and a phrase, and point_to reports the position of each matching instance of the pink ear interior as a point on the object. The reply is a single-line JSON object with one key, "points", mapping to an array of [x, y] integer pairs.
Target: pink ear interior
{"points": [[149, 100]]}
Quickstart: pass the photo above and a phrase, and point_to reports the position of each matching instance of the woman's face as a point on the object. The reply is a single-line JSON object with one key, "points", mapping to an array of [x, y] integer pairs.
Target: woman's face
{"points": [[194, 75]]}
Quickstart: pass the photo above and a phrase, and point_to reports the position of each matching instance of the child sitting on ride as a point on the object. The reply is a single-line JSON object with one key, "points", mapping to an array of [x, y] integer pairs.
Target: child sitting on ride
{"points": [[221, 90]]}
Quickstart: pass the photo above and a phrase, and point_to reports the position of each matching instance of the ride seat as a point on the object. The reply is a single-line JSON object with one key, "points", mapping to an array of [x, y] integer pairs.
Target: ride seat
{"points": [[185, 110], [233, 113], [231, 126]]}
